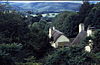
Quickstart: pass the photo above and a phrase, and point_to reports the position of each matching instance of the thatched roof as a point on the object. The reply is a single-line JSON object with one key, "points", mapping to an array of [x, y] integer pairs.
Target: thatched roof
{"points": [[73, 41], [79, 37], [56, 34]]}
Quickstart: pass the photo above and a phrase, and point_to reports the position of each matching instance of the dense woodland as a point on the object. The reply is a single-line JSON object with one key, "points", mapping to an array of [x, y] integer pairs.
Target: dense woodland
{"points": [[25, 41]]}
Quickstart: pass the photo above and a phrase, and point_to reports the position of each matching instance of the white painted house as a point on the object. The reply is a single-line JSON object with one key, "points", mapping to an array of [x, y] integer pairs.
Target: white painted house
{"points": [[59, 39]]}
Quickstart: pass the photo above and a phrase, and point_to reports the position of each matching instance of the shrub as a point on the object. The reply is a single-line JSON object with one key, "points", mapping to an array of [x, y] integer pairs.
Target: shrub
{"points": [[71, 56], [28, 63], [8, 53]]}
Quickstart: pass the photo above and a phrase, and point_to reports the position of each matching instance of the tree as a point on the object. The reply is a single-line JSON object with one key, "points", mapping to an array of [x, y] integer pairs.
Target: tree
{"points": [[38, 41], [96, 42], [12, 28], [84, 11], [8, 53], [67, 23], [93, 17], [43, 25], [71, 56]]}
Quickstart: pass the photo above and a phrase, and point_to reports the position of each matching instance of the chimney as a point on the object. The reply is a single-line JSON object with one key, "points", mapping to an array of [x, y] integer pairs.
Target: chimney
{"points": [[89, 31], [81, 27], [50, 30], [53, 28]]}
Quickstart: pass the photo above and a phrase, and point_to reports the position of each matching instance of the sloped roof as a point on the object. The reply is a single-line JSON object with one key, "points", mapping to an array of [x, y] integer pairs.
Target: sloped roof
{"points": [[56, 34], [71, 39], [79, 37]]}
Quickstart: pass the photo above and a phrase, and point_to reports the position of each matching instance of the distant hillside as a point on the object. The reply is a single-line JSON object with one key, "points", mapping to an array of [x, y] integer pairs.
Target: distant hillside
{"points": [[45, 6]]}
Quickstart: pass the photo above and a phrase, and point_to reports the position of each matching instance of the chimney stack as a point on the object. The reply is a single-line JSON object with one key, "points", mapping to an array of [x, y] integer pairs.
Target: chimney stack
{"points": [[81, 27], [50, 32], [53, 28], [90, 31]]}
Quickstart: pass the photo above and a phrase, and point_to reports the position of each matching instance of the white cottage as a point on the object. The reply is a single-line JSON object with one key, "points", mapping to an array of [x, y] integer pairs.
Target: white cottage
{"points": [[59, 39]]}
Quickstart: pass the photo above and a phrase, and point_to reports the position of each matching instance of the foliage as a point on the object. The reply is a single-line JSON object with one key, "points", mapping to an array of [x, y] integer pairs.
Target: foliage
{"points": [[37, 40], [65, 22], [84, 11], [12, 28], [28, 63], [5, 59], [68, 22], [92, 18], [96, 42], [8, 52], [30, 59], [10, 48], [76, 55], [72, 56], [25, 40], [42, 24]]}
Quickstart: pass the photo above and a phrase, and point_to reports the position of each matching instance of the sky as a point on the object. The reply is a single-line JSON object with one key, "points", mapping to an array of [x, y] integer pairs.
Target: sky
{"points": [[51, 1]]}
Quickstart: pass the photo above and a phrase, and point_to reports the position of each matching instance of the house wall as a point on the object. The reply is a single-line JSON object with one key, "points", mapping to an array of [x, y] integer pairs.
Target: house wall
{"points": [[89, 32], [62, 38], [55, 45], [60, 41]]}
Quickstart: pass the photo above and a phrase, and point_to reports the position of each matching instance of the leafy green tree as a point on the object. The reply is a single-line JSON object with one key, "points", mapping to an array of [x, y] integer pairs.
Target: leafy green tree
{"points": [[67, 23], [84, 11], [96, 42], [71, 56], [37, 42], [5, 59], [93, 17], [12, 28], [42, 24], [8, 53]]}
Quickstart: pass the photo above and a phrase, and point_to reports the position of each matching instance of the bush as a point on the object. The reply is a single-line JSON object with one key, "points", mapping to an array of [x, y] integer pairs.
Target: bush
{"points": [[8, 53], [71, 56], [28, 63], [10, 48], [96, 41], [5, 58]]}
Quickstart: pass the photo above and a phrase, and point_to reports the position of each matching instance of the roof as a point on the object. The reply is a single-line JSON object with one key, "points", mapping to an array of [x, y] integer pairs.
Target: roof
{"points": [[56, 34], [71, 39], [79, 37]]}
